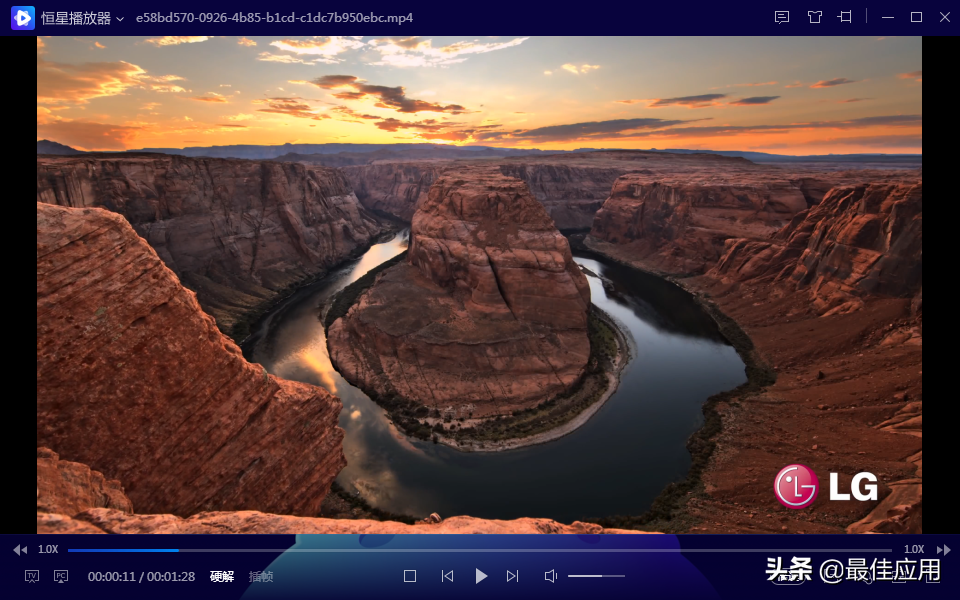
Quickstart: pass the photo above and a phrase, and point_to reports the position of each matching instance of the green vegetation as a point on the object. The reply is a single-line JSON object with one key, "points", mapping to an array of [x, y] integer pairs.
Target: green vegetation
{"points": [[348, 296]]}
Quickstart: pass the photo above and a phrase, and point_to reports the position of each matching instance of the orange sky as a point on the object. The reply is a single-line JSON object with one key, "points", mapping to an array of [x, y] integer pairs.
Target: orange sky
{"points": [[783, 95]]}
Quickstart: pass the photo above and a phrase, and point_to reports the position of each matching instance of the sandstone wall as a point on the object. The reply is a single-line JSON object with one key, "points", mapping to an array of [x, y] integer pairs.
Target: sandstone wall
{"points": [[136, 381], [394, 188], [572, 194], [488, 315], [236, 232], [863, 240]]}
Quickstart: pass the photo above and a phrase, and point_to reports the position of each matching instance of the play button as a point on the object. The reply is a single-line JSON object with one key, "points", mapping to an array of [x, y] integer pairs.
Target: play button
{"points": [[480, 576]]}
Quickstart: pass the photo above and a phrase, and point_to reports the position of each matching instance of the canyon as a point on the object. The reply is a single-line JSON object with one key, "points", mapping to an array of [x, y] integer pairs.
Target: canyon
{"points": [[832, 305], [573, 187], [152, 408], [238, 233], [136, 381], [570, 187], [488, 313], [73, 499], [679, 217]]}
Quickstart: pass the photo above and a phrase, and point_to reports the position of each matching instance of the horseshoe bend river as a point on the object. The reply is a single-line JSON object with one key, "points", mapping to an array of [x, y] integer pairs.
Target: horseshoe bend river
{"points": [[615, 464]]}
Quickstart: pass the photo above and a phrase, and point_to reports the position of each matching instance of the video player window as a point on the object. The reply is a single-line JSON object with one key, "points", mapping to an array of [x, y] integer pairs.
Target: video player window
{"points": [[642, 305]]}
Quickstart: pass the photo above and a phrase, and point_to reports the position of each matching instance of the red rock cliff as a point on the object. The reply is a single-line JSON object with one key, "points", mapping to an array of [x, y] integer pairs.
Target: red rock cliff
{"points": [[677, 217], [572, 189], [135, 380], [864, 240], [236, 232], [393, 188], [488, 315]]}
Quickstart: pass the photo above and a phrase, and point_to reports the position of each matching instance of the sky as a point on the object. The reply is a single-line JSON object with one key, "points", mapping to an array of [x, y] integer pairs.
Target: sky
{"points": [[790, 95]]}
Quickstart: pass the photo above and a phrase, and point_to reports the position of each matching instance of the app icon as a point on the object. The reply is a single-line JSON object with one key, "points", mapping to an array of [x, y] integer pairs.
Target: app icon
{"points": [[796, 486], [22, 18]]}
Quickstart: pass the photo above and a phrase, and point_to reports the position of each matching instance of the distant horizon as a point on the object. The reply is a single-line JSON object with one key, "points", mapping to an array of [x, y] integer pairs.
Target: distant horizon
{"points": [[482, 146]]}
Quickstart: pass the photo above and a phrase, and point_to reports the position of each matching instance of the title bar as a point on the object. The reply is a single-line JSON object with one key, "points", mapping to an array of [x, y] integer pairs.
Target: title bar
{"points": [[414, 17]]}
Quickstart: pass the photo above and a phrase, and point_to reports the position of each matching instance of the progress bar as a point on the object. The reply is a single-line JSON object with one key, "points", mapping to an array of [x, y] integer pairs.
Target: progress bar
{"points": [[485, 550], [123, 550], [596, 575]]}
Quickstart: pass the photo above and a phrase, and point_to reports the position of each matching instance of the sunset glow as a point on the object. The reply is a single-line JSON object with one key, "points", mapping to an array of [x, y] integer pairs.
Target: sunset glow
{"points": [[786, 96]]}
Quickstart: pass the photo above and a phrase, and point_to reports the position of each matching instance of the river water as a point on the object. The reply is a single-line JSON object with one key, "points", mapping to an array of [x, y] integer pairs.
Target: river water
{"points": [[615, 464]]}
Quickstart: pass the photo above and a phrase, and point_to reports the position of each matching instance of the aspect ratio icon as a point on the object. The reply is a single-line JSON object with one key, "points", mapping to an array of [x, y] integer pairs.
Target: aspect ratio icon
{"points": [[846, 16], [781, 16]]}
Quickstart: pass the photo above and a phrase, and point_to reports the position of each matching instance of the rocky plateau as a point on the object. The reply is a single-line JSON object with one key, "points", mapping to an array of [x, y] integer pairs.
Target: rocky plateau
{"points": [[487, 315]]}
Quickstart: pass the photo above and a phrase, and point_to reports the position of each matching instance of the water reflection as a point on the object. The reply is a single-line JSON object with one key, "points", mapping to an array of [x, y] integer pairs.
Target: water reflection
{"points": [[615, 464]]}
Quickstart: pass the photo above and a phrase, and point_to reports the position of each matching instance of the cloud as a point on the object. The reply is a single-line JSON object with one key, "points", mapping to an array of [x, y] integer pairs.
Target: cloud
{"points": [[392, 124], [244, 41], [630, 101], [915, 75], [353, 88], [754, 100], [592, 129], [325, 48], [239, 117], [548, 72], [231, 125], [211, 97], [286, 59], [88, 135], [701, 101], [165, 89], [853, 100], [581, 70], [176, 40], [352, 114], [795, 84], [842, 125], [292, 107], [753, 84], [78, 83], [624, 129], [415, 52], [833, 82], [329, 82], [93, 44]]}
